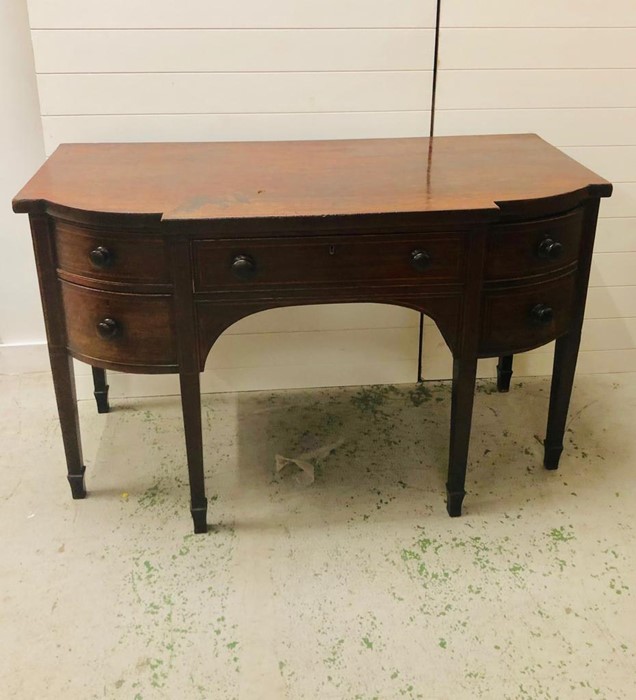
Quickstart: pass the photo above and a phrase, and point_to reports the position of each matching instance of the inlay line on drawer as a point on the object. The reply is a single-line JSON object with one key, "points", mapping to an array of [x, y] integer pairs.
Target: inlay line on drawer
{"points": [[120, 330], [90, 255], [519, 318], [533, 248]]}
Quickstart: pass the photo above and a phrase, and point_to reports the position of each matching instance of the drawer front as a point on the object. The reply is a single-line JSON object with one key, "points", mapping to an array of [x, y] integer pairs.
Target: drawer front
{"points": [[521, 250], [342, 261], [112, 257], [521, 318], [126, 329]]}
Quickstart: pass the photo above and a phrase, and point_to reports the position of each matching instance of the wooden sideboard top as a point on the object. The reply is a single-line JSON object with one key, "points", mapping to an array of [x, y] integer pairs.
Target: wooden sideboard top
{"points": [[479, 175]]}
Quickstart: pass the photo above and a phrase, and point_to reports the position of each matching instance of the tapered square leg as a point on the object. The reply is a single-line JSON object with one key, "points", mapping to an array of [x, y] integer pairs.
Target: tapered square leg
{"points": [[565, 356], [76, 482], [504, 373], [64, 384], [464, 376], [454, 502], [551, 456], [200, 517], [100, 390], [191, 404]]}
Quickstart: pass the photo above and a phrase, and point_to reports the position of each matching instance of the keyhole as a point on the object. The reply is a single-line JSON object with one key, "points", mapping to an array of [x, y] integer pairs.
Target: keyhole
{"points": [[332, 250]]}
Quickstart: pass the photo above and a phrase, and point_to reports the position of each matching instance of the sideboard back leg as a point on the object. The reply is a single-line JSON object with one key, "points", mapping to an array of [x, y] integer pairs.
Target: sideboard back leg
{"points": [[64, 383], [100, 390], [464, 376], [504, 373], [565, 356], [191, 404]]}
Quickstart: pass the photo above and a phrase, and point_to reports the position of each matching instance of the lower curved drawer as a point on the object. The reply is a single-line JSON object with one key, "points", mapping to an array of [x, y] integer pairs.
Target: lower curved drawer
{"points": [[125, 331], [521, 318]]}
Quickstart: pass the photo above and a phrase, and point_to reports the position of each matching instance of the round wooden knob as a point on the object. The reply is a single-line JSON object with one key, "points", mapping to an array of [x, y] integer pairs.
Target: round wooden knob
{"points": [[244, 267], [550, 249], [108, 328], [420, 260], [542, 314], [101, 257]]}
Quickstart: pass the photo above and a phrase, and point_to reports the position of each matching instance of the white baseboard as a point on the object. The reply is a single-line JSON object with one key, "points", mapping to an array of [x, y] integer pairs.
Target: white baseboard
{"points": [[24, 358]]}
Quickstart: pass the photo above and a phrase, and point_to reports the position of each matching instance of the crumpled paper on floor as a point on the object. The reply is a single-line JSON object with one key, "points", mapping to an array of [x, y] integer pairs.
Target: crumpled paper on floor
{"points": [[304, 472]]}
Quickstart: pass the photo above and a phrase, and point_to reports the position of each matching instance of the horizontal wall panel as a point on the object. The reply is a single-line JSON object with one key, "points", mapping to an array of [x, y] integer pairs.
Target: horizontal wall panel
{"points": [[545, 13], [87, 14], [613, 269], [615, 163], [325, 317], [437, 362], [363, 371], [185, 93], [530, 89], [320, 347], [611, 302], [174, 51], [615, 235], [622, 203], [609, 334], [537, 48], [233, 127], [561, 127], [535, 364]]}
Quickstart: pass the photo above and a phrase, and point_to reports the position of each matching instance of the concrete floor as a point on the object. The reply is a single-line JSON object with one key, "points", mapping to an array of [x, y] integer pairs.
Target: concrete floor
{"points": [[357, 586]]}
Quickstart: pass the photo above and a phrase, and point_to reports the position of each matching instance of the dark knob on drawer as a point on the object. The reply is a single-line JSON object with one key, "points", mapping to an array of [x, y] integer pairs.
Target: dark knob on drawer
{"points": [[542, 314], [550, 249], [420, 260], [108, 328], [101, 257], [244, 267]]}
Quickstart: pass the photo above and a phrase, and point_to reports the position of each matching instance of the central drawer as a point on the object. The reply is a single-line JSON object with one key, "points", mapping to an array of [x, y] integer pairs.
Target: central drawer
{"points": [[337, 260]]}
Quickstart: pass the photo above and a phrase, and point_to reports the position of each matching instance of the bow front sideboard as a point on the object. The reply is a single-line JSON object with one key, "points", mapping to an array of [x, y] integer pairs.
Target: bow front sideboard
{"points": [[147, 252]]}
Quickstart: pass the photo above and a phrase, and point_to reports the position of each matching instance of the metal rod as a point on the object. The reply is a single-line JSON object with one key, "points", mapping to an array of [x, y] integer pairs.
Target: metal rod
{"points": [[438, 12], [419, 356], [435, 60]]}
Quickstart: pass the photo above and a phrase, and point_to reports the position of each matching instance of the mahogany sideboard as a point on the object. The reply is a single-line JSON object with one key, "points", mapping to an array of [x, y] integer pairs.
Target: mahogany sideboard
{"points": [[147, 252]]}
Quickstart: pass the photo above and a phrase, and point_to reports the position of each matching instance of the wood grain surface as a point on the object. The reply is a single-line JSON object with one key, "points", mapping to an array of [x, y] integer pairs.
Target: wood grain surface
{"points": [[198, 181]]}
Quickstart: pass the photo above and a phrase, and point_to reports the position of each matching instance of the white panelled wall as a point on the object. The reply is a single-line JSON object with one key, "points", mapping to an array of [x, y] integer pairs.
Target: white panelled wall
{"points": [[566, 71], [22, 152], [196, 70]]}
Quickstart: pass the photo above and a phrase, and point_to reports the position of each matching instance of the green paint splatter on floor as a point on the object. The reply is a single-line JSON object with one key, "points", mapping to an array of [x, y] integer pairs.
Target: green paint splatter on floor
{"points": [[373, 398], [559, 534], [420, 394]]}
